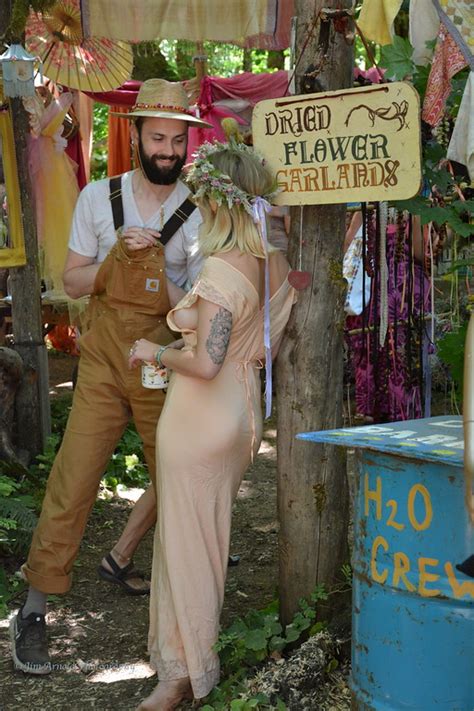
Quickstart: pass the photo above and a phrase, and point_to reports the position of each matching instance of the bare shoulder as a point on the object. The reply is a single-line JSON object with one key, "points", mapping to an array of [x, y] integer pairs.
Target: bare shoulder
{"points": [[235, 257], [279, 265], [246, 263]]}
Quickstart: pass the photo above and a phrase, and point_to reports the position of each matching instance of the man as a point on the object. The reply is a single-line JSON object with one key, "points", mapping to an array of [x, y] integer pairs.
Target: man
{"points": [[139, 207]]}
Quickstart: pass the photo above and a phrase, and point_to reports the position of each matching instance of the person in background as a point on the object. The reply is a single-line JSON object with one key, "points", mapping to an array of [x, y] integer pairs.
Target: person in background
{"points": [[279, 227]]}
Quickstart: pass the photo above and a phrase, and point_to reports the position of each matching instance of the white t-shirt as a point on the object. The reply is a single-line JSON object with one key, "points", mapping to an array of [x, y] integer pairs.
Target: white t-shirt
{"points": [[93, 233]]}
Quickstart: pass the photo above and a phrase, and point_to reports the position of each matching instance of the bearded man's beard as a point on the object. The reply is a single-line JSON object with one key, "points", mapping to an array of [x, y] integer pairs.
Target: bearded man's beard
{"points": [[160, 175]]}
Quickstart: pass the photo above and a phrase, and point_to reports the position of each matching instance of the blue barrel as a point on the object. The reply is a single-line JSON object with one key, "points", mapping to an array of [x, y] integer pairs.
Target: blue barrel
{"points": [[413, 611]]}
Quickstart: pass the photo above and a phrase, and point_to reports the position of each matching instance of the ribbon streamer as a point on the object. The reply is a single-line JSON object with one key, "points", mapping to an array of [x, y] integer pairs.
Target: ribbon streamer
{"points": [[382, 236], [260, 206]]}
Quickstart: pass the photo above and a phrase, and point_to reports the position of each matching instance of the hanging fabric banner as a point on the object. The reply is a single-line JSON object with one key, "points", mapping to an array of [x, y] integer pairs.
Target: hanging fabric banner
{"points": [[252, 23], [355, 145]]}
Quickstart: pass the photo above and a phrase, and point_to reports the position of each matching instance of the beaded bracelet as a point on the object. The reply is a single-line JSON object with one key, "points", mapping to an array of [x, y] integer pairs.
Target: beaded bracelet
{"points": [[158, 355]]}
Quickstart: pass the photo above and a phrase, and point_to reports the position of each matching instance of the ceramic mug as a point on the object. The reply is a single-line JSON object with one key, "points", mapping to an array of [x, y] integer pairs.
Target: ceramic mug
{"points": [[154, 377]]}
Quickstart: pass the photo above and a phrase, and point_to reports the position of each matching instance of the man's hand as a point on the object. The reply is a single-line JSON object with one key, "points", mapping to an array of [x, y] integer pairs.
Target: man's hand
{"points": [[140, 237]]}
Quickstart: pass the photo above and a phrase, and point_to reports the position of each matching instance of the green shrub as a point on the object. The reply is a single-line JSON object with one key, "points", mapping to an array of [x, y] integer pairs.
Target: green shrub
{"points": [[251, 640]]}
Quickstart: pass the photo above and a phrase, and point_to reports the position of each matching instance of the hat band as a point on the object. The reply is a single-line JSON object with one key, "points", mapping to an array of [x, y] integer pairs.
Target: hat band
{"points": [[166, 107]]}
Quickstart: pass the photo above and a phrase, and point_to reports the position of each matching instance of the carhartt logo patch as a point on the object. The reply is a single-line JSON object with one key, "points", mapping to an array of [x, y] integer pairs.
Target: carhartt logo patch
{"points": [[152, 285]]}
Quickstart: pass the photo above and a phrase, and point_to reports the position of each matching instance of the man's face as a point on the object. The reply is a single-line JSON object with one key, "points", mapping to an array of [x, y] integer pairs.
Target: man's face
{"points": [[162, 147]]}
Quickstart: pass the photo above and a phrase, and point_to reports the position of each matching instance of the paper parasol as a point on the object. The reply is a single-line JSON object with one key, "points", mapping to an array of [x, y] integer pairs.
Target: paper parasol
{"points": [[94, 64]]}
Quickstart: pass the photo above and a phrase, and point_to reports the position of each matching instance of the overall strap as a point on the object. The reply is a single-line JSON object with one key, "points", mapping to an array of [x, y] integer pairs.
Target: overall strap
{"points": [[115, 198], [179, 217]]}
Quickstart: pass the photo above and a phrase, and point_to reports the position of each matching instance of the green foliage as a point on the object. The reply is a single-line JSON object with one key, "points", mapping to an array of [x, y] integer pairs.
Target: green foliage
{"points": [[450, 350], [451, 213], [127, 465], [17, 519], [10, 585], [251, 640], [346, 571], [149, 62], [60, 409], [19, 16], [437, 180], [223, 59], [397, 59], [99, 141]]}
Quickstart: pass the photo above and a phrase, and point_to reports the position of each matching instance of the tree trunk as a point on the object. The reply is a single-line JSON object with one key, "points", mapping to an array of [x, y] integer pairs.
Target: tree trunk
{"points": [[32, 402], [33, 417], [11, 369], [312, 488], [247, 60], [276, 59]]}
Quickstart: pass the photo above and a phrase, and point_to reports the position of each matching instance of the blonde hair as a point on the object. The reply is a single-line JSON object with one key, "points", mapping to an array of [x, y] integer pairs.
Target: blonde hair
{"points": [[225, 228]]}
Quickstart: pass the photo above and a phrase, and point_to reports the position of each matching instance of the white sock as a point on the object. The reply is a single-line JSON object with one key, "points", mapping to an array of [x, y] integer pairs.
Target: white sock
{"points": [[35, 602]]}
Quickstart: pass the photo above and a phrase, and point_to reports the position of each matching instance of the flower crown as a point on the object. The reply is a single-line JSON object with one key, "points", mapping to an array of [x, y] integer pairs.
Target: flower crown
{"points": [[209, 181]]}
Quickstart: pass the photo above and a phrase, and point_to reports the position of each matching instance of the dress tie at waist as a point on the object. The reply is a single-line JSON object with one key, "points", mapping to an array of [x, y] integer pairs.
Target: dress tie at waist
{"points": [[243, 366]]}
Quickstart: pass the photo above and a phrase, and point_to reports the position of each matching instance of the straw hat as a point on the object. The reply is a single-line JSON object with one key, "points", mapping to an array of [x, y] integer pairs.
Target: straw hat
{"points": [[158, 98]]}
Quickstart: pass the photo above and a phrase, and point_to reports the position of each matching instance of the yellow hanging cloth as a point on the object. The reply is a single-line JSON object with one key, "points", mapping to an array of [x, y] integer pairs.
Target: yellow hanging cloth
{"points": [[54, 185], [376, 19]]}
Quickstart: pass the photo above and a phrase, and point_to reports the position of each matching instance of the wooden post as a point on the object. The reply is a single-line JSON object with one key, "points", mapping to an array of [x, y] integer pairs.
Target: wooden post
{"points": [[312, 488], [33, 419], [32, 401], [200, 62]]}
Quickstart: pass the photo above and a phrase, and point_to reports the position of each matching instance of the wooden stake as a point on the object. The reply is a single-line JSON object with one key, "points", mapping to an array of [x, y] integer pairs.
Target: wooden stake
{"points": [[32, 401], [312, 489], [200, 61]]}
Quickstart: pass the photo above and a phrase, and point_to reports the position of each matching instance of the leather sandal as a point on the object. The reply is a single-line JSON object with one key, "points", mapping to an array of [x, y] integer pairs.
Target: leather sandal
{"points": [[121, 575]]}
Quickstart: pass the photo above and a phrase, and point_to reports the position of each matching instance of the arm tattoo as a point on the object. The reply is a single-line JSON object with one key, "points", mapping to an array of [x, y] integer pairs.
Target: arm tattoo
{"points": [[219, 336]]}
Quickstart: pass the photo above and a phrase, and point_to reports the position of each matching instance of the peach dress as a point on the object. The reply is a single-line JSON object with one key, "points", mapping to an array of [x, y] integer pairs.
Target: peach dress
{"points": [[208, 433]]}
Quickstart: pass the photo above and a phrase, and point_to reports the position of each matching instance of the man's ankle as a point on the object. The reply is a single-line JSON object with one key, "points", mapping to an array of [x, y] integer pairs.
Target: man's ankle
{"points": [[35, 602], [120, 559]]}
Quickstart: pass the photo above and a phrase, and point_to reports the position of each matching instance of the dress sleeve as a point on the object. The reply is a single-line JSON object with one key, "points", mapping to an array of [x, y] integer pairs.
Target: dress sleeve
{"points": [[212, 284]]}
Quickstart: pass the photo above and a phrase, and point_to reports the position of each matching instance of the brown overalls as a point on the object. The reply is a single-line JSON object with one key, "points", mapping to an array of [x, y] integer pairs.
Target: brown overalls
{"points": [[130, 301]]}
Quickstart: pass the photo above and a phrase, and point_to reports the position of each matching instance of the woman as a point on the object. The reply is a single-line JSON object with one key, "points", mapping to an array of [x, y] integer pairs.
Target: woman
{"points": [[211, 424]]}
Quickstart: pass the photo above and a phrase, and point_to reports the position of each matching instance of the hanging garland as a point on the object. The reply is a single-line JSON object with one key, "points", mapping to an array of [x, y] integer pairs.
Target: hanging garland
{"points": [[389, 341]]}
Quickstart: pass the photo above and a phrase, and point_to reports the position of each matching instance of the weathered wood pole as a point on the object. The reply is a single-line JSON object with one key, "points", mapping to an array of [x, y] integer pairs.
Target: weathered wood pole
{"points": [[33, 419], [312, 487]]}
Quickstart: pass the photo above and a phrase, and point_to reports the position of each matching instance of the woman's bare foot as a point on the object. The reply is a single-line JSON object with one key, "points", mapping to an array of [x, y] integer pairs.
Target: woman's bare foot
{"points": [[167, 696]]}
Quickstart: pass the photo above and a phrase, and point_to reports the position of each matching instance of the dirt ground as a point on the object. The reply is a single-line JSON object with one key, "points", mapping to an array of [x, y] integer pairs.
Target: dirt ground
{"points": [[98, 633]]}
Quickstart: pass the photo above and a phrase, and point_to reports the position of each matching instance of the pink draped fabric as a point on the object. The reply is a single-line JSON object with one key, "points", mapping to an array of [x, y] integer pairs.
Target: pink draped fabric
{"points": [[125, 95], [253, 87], [246, 86], [447, 61], [75, 153]]}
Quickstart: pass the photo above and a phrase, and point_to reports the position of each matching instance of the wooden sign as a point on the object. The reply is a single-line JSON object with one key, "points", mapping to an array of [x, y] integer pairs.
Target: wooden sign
{"points": [[361, 144]]}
